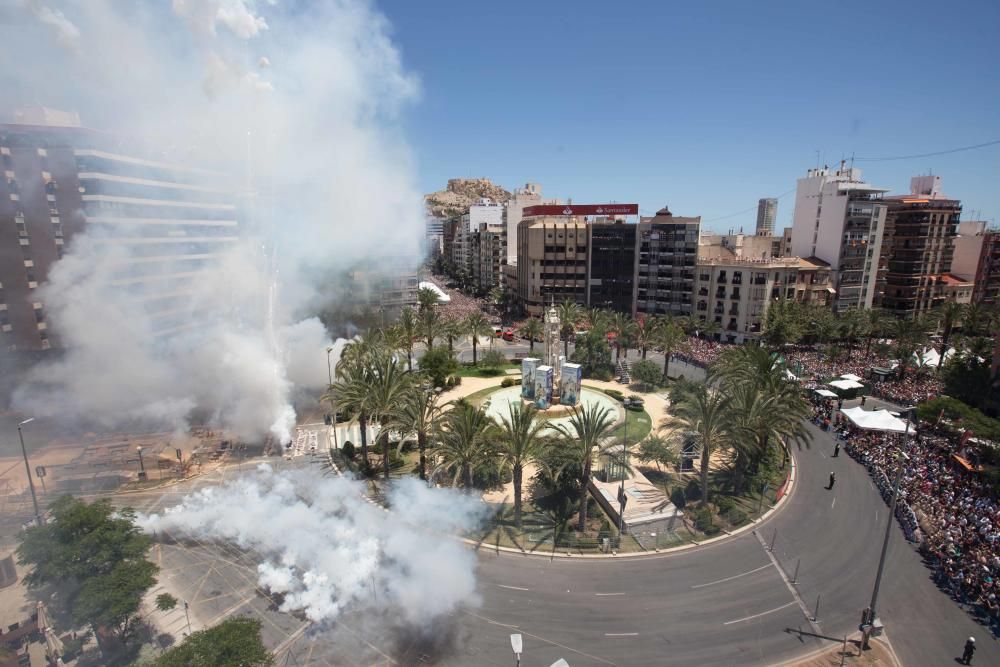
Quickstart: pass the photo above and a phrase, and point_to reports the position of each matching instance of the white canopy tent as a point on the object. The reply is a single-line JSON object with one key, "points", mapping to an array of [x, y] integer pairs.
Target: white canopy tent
{"points": [[826, 393], [845, 384], [875, 420], [850, 376]]}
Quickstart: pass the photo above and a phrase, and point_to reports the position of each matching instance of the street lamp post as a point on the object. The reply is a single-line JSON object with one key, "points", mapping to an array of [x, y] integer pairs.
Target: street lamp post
{"points": [[333, 407], [870, 615], [142, 468], [621, 489], [27, 471]]}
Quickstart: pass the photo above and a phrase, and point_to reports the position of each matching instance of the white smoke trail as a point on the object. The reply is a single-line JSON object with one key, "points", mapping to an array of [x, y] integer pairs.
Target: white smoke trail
{"points": [[300, 101], [326, 550]]}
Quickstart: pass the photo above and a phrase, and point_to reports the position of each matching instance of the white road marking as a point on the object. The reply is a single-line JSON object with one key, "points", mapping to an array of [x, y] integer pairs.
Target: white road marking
{"points": [[514, 588], [834, 502], [735, 576], [604, 595], [621, 634], [763, 613]]}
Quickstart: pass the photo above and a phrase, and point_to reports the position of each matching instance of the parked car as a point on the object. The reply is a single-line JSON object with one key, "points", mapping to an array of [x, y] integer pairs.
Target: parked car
{"points": [[508, 335]]}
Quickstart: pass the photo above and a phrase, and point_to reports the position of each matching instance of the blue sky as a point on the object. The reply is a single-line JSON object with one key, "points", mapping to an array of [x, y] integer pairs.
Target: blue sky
{"points": [[704, 106]]}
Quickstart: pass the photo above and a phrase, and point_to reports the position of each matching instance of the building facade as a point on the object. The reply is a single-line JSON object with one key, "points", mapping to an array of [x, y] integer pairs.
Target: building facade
{"points": [[611, 266], [529, 195], [551, 261], [977, 259], [735, 293], [161, 226], [767, 211], [917, 247], [665, 273], [840, 219], [489, 251]]}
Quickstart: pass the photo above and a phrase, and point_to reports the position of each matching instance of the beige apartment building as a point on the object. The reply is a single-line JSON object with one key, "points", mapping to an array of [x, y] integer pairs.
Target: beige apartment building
{"points": [[489, 255], [736, 292], [551, 261]]}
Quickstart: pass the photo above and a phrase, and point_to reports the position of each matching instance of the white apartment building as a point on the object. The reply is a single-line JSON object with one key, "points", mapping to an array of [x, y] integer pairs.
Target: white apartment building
{"points": [[484, 212], [840, 219]]}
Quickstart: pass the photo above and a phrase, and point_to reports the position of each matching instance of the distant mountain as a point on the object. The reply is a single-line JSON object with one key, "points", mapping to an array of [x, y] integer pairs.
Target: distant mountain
{"points": [[462, 193]]}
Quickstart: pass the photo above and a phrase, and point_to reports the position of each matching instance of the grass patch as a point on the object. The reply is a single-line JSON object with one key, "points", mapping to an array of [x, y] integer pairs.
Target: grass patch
{"points": [[470, 371], [639, 423]]}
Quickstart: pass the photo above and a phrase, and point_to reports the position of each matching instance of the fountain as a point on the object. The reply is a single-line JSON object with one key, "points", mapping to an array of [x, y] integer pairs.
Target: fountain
{"points": [[550, 380]]}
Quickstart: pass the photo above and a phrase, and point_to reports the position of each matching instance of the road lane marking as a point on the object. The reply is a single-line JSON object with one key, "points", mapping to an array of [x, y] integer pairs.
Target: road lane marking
{"points": [[735, 576], [604, 595], [547, 641], [791, 587], [763, 613], [834, 502], [514, 588], [621, 634]]}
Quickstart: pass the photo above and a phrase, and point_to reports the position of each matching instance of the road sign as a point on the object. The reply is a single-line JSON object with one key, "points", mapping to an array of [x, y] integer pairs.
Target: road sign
{"points": [[39, 471], [178, 452]]}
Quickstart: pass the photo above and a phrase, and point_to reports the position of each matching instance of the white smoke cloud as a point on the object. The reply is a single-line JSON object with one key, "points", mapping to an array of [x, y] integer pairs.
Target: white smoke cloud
{"points": [[326, 550], [64, 29], [314, 152]]}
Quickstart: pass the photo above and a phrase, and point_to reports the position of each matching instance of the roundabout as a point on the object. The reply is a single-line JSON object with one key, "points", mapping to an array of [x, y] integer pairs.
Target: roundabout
{"points": [[497, 405]]}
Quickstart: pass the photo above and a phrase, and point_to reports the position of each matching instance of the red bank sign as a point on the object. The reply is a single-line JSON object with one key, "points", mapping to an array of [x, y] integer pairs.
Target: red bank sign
{"points": [[581, 209]]}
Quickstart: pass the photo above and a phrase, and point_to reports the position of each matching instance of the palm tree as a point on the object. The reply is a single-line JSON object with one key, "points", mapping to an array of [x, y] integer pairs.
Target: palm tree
{"points": [[350, 389], [427, 299], [419, 413], [600, 320], [587, 430], [951, 315], [451, 330], [877, 322], [853, 324], [748, 364], [496, 297], [645, 332], [387, 385], [671, 338], [476, 325], [407, 329], [532, 329], [624, 327], [703, 415], [430, 323], [463, 441], [520, 442], [569, 315], [708, 328]]}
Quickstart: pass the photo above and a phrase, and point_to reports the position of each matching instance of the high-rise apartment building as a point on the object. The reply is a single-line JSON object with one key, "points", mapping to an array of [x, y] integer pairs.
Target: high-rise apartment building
{"points": [[767, 211], [484, 212], [521, 198], [977, 259], [840, 219], [665, 275], [160, 226], [917, 247], [489, 252]]}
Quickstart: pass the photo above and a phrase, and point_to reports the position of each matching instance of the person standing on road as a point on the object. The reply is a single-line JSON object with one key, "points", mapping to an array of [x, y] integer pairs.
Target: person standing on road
{"points": [[833, 478], [970, 648], [836, 450]]}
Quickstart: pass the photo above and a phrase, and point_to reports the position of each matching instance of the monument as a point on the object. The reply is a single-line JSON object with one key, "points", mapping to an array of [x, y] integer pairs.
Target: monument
{"points": [[528, 367], [550, 379], [551, 356]]}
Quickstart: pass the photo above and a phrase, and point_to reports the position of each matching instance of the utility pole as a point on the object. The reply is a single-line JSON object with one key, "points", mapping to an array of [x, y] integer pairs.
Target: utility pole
{"points": [[869, 616], [621, 489], [27, 471]]}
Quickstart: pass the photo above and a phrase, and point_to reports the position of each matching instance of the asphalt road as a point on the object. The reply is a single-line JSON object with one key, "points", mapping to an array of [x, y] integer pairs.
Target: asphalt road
{"points": [[727, 603]]}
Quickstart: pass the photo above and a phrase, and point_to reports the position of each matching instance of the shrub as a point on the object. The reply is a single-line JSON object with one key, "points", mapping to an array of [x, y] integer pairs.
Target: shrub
{"points": [[507, 382], [725, 504], [646, 374], [737, 517], [702, 518], [678, 498], [615, 394], [347, 451], [693, 489]]}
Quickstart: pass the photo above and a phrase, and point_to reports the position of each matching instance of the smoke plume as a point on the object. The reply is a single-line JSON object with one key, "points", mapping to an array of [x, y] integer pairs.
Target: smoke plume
{"points": [[297, 105], [325, 549]]}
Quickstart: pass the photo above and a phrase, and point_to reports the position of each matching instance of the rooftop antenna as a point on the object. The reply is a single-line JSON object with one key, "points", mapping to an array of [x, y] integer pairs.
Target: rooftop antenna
{"points": [[852, 160]]}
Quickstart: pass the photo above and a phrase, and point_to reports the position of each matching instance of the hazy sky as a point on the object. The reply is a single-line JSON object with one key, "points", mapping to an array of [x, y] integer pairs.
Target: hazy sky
{"points": [[705, 106]]}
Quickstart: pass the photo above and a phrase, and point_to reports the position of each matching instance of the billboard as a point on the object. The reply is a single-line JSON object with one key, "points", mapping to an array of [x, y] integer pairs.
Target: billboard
{"points": [[543, 387], [569, 391], [581, 209], [528, 367]]}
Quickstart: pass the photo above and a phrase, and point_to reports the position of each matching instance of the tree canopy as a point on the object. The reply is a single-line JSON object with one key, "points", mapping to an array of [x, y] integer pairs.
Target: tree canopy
{"points": [[233, 643], [93, 558]]}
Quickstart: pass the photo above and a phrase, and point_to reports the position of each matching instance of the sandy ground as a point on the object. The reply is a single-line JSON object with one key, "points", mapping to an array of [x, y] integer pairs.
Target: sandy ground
{"points": [[880, 654]]}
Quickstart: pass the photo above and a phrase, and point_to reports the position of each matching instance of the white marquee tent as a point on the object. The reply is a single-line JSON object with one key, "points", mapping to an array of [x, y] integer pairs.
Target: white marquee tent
{"points": [[826, 393], [845, 384], [875, 420], [850, 376]]}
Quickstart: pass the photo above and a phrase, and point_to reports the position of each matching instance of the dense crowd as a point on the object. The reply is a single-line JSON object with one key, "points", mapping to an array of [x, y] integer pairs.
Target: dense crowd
{"points": [[812, 367], [461, 305], [944, 505]]}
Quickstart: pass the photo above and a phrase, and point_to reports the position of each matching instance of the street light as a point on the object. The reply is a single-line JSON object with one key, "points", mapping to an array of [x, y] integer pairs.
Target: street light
{"points": [[333, 407], [142, 468], [621, 489], [869, 617], [27, 471], [516, 644]]}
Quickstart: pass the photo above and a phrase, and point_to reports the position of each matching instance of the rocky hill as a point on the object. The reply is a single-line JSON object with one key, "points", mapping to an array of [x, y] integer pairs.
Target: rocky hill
{"points": [[462, 193]]}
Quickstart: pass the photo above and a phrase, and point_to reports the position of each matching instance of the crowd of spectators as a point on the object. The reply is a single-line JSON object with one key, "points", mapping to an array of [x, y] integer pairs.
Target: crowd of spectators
{"points": [[461, 305], [945, 505], [813, 368]]}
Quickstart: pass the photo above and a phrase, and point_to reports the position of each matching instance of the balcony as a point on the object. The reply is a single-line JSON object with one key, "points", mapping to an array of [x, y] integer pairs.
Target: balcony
{"points": [[720, 293], [722, 279], [735, 294]]}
